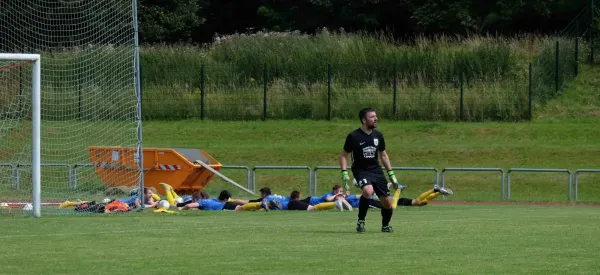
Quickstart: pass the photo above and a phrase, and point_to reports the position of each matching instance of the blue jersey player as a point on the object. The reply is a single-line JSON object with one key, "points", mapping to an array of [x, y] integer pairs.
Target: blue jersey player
{"points": [[216, 204], [293, 202]]}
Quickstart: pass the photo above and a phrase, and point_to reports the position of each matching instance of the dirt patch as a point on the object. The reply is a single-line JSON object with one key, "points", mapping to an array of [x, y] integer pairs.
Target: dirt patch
{"points": [[517, 203]]}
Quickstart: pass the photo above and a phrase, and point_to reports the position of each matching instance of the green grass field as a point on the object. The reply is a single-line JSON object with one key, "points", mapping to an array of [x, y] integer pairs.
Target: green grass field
{"points": [[570, 145], [443, 239], [439, 238]]}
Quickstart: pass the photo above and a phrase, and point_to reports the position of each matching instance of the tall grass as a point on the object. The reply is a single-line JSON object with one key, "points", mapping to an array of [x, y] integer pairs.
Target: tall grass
{"points": [[423, 76], [360, 57], [501, 100], [418, 80]]}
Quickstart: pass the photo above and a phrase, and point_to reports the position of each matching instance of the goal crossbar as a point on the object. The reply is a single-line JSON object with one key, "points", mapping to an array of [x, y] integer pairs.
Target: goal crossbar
{"points": [[35, 123]]}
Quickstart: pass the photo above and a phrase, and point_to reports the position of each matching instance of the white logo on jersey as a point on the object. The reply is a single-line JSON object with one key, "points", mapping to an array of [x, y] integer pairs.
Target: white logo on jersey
{"points": [[361, 143], [375, 141], [369, 152]]}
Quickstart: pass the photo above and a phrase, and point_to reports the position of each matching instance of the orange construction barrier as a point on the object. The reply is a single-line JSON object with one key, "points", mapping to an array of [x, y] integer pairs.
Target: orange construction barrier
{"points": [[117, 166]]}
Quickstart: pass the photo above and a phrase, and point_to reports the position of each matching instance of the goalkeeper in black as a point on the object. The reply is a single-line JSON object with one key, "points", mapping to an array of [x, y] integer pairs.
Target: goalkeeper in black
{"points": [[365, 145]]}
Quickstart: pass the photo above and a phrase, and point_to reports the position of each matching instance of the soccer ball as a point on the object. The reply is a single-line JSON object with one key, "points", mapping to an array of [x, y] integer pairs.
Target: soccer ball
{"points": [[164, 204], [179, 200], [28, 207], [106, 200]]}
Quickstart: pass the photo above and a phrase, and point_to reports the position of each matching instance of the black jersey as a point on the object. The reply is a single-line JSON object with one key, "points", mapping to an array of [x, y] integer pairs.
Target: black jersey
{"points": [[364, 149]]}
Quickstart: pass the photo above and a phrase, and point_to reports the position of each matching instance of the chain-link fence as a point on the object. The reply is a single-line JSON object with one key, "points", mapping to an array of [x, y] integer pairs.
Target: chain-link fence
{"points": [[219, 93], [559, 60]]}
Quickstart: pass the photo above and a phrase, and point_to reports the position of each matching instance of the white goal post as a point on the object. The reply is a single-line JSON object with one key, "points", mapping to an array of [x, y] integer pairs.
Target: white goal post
{"points": [[35, 121]]}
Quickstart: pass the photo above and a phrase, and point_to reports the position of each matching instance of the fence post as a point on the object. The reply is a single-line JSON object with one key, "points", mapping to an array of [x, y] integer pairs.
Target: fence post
{"points": [[141, 88], [202, 92], [462, 97], [20, 90], [591, 30], [265, 92], [556, 70], [592, 46], [329, 91], [576, 56], [530, 93], [394, 108]]}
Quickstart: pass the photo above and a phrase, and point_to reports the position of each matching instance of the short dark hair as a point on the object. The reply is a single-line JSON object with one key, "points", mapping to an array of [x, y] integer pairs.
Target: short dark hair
{"points": [[225, 195], [295, 195], [265, 190], [199, 195], [336, 187], [363, 113]]}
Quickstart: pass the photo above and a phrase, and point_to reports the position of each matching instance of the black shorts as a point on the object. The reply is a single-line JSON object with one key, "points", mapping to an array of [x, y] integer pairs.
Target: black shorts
{"points": [[376, 178], [229, 206], [405, 202], [298, 205], [306, 200]]}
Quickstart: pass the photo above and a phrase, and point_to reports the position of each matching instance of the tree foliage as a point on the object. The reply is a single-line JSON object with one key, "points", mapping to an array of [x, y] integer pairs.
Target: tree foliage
{"points": [[198, 21]]}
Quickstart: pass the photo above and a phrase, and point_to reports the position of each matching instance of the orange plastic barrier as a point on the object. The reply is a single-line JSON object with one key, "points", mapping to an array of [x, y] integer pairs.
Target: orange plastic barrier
{"points": [[177, 167]]}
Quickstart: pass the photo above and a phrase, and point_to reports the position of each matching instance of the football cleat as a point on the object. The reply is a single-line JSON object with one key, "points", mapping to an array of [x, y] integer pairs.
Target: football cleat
{"points": [[265, 205], [275, 205], [360, 226], [387, 229], [347, 206], [397, 186], [445, 191]]}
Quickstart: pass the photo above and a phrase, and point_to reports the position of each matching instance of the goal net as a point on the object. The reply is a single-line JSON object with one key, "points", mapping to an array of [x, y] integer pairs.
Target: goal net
{"points": [[89, 97]]}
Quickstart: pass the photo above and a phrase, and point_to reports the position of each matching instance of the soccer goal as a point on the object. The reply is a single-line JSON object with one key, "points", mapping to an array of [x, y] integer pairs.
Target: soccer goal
{"points": [[69, 80], [14, 62]]}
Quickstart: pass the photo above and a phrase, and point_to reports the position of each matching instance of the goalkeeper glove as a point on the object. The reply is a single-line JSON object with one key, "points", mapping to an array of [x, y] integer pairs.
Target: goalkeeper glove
{"points": [[345, 179], [393, 178]]}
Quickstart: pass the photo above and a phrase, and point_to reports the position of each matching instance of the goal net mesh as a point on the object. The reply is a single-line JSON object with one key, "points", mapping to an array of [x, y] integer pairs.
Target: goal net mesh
{"points": [[88, 98]]}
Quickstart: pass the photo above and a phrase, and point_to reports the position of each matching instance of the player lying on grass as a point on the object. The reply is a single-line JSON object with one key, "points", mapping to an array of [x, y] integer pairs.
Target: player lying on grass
{"points": [[264, 192], [421, 200], [293, 202], [150, 199], [112, 206], [182, 202], [311, 200], [297, 204], [220, 203], [248, 205]]}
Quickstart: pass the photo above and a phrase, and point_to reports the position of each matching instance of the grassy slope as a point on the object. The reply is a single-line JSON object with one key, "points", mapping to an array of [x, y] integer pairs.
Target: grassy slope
{"points": [[450, 239], [580, 99], [555, 140]]}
